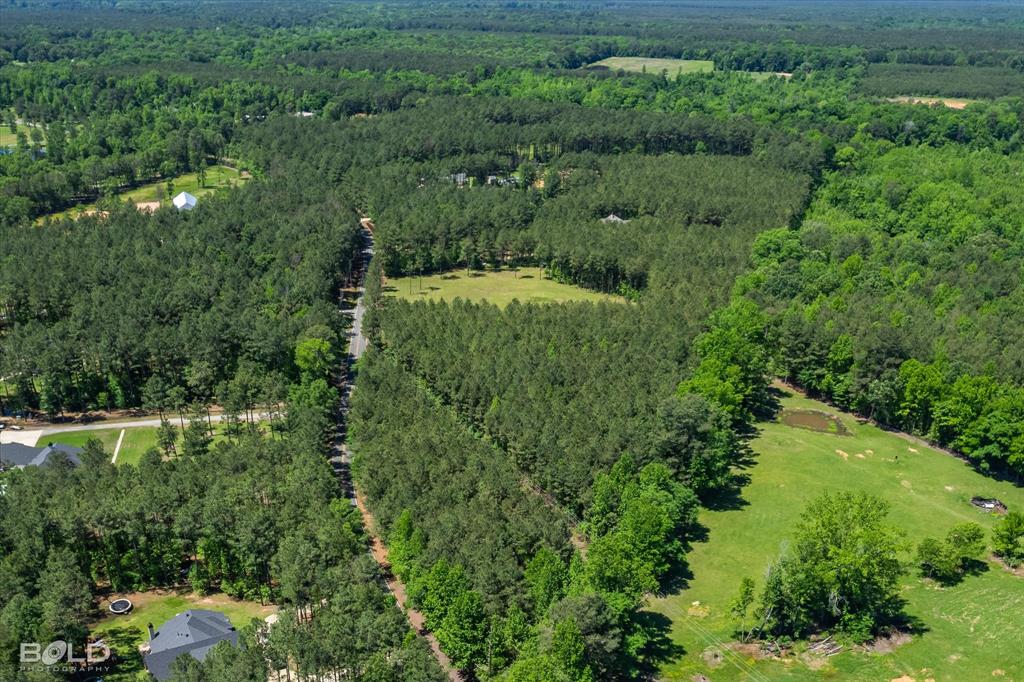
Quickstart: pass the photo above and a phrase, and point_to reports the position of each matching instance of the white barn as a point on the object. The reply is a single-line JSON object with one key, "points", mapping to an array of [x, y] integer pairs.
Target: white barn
{"points": [[185, 202]]}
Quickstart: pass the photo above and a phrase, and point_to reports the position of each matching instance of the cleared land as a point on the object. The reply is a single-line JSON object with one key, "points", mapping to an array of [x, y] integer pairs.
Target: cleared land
{"points": [[949, 102], [971, 630], [652, 65], [9, 139], [123, 634], [527, 285], [217, 177], [136, 439]]}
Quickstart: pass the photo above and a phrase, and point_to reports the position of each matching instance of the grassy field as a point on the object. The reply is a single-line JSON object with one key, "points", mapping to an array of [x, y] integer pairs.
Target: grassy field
{"points": [[136, 441], [971, 631], [527, 285], [217, 177], [652, 65], [9, 139], [123, 634]]}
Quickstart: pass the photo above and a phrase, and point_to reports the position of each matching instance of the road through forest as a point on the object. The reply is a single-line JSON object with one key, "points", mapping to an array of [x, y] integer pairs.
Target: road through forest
{"points": [[356, 346]]}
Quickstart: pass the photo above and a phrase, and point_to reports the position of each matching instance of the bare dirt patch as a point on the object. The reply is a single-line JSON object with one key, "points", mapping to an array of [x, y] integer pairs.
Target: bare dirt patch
{"points": [[888, 643], [948, 102], [813, 420], [1015, 570], [712, 658]]}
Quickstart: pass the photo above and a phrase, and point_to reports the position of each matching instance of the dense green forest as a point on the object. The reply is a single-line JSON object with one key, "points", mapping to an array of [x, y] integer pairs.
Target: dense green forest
{"points": [[536, 471]]}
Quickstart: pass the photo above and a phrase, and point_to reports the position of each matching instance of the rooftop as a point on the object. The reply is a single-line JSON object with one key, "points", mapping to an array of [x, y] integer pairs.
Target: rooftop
{"points": [[20, 456], [193, 632]]}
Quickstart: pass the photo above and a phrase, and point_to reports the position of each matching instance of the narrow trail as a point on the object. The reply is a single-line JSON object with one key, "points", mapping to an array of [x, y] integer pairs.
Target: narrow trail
{"points": [[341, 461]]}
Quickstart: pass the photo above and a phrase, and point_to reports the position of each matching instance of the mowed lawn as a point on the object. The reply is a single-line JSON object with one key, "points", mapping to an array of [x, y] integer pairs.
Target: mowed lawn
{"points": [[973, 631], [217, 177], [653, 65], [526, 285], [123, 634], [137, 439], [9, 139]]}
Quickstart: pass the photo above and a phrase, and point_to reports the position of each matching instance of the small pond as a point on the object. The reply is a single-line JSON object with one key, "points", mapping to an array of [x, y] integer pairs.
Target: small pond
{"points": [[814, 420]]}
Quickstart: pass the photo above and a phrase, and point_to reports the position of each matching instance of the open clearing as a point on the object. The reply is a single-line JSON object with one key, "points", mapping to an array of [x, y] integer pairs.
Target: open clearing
{"points": [[972, 629], [950, 102], [652, 65], [123, 634], [217, 177], [9, 139], [527, 285], [136, 439]]}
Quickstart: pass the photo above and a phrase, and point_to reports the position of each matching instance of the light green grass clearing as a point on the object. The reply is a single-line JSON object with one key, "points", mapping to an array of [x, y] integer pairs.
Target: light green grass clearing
{"points": [[652, 65], [973, 628], [9, 139], [527, 285], [123, 634], [137, 439], [217, 177]]}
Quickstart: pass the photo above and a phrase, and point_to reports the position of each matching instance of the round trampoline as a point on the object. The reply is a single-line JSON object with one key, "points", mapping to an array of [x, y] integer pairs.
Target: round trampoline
{"points": [[120, 606]]}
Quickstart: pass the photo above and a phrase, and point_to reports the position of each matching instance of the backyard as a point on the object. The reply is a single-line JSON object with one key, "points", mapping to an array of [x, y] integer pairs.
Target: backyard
{"points": [[124, 633], [137, 439]]}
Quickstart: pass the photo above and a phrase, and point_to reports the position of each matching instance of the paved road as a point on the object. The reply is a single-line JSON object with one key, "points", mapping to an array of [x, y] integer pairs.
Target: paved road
{"points": [[342, 459], [356, 340], [31, 436]]}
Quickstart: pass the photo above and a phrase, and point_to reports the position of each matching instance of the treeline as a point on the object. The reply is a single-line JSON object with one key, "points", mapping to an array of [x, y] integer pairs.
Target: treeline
{"points": [[899, 297], [486, 557], [163, 310], [96, 131], [943, 80], [98, 137], [564, 390], [679, 225]]}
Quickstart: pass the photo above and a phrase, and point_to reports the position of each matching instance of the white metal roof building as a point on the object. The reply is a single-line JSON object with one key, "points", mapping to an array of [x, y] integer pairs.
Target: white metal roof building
{"points": [[185, 202]]}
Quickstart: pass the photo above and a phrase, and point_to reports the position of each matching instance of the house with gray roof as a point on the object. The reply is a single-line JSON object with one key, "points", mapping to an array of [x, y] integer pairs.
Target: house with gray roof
{"points": [[193, 632], [19, 456]]}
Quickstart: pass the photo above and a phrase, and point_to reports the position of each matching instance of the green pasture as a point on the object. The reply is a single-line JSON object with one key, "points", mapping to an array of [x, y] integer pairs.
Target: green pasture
{"points": [[217, 177], [653, 65], [527, 285], [969, 631]]}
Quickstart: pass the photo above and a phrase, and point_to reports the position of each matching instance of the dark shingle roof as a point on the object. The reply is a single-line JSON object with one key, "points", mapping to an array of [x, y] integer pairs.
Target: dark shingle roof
{"points": [[193, 632], [18, 455]]}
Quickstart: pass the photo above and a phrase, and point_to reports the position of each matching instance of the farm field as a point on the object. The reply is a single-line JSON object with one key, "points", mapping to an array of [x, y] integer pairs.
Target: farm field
{"points": [[217, 177], [136, 440], [501, 288], [965, 626], [123, 634], [653, 65]]}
